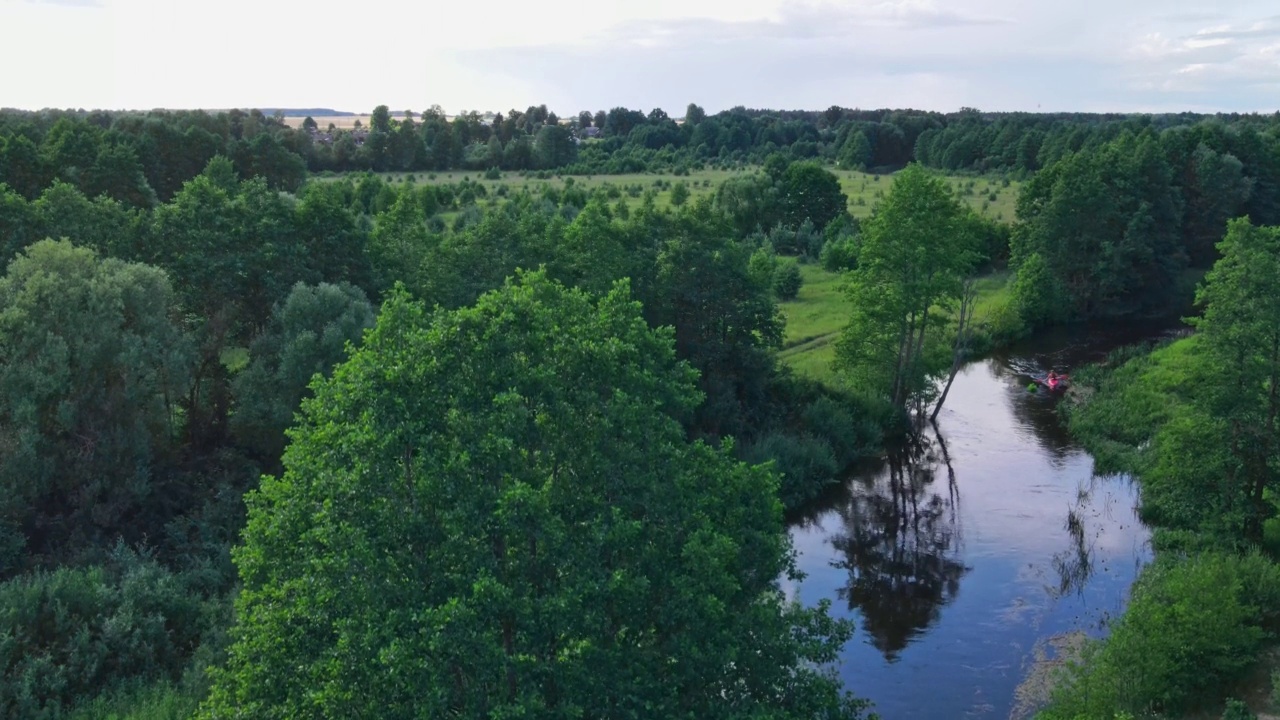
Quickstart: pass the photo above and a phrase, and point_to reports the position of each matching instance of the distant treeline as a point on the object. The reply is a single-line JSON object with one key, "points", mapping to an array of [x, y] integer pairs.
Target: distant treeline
{"points": [[143, 158]]}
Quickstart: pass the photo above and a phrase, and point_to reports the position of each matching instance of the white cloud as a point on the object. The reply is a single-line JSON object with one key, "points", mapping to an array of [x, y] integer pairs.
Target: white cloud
{"points": [[994, 54]]}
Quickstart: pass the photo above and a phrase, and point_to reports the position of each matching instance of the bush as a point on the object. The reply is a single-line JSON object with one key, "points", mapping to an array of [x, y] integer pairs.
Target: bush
{"points": [[807, 464], [69, 635], [787, 281], [839, 255], [1237, 710], [1000, 326], [1193, 628], [161, 701], [493, 173], [679, 194], [833, 421], [1037, 295]]}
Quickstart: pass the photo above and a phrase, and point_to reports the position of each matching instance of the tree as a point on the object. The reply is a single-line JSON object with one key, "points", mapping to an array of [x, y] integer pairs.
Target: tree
{"points": [[1216, 193], [92, 362], [913, 259], [1241, 335], [679, 193], [694, 114], [308, 336], [102, 224], [19, 224], [380, 120], [309, 124], [1106, 223], [553, 147], [513, 523], [337, 246], [810, 192], [856, 151], [725, 317], [399, 243], [787, 281]]}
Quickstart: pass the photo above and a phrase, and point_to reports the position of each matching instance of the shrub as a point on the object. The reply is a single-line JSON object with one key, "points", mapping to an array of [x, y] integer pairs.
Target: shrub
{"points": [[833, 421], [839, 255], [787, 281], [1193, 628], [679, 194], [806, 463], [69, 635], [493, 173], [1037, 295], [1237, 710]]}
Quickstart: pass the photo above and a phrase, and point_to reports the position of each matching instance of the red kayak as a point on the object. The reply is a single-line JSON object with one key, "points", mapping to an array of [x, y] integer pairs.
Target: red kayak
{"points": [[1054, 383]]}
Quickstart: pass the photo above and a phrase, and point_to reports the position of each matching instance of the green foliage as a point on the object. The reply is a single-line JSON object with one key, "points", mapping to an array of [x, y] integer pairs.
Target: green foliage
{"points": [[1106, 222], [727, 323], [530, 533], [840, 255], [91, 362], [850, 437], [1241, 329], [72, 634], [679, 194], [806, 464], [308, 335], [158, 701], [787, 281], [810, 192], [855, 153], [1237, 710], [763, 265], [1038, 298], [1192, 628], [914, 257]]}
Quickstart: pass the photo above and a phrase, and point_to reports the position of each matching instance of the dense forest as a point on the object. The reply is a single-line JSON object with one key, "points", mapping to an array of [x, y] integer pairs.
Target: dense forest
{"points": [[492, 452]]}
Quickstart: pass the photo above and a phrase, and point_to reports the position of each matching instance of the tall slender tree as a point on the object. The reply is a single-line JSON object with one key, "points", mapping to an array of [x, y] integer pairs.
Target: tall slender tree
{"points": [[915, 256]]}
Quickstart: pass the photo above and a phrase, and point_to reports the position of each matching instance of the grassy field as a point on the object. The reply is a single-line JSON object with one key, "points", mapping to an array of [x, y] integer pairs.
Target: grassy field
{"points": [[814, 320], [990, 196], [818, 314], [863, 190], [341, 122]]}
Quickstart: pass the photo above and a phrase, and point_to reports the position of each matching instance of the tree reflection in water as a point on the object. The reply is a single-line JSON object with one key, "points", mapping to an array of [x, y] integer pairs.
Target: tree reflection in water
{"points": [[901, 542]]}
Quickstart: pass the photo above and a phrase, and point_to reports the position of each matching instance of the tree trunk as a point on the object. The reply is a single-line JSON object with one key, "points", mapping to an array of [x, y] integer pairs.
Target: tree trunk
{"points": [[962, 344], [904, 347]]}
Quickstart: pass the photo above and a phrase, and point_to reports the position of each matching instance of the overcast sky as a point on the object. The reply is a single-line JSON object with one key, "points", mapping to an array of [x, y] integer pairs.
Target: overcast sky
{"points": [[1086, 55]]}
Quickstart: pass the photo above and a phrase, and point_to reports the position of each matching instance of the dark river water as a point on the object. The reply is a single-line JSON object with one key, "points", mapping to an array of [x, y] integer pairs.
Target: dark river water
{"points": [[959, 558]]}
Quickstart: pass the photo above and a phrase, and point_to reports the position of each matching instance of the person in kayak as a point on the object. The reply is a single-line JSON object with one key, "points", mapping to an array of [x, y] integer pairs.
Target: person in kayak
{"points": [[1054, 380]]}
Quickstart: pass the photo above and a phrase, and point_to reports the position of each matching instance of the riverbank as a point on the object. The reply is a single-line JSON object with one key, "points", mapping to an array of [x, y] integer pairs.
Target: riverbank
{"points": [[820, 311], [958, 555], [1200, 629]]}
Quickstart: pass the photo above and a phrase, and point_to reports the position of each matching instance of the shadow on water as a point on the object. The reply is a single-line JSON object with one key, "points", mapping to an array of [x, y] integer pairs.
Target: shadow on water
{"points": [[900, 542]]}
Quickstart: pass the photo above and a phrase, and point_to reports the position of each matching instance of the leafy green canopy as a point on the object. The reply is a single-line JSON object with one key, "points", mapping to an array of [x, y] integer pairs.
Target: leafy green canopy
{"points": [[916, 252], [91, 360], [492, 512]]}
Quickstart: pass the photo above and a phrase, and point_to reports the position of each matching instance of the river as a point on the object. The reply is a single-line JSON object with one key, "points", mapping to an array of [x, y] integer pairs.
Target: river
{"points": [[959, 559]]}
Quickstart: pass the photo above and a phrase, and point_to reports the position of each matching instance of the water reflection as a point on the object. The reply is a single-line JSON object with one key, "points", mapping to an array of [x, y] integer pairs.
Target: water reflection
{"points": [[900, 541]]}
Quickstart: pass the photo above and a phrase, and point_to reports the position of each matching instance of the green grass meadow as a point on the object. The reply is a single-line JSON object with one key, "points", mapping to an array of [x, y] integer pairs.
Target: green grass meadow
{"points": [[821, 310], [990, 196]]}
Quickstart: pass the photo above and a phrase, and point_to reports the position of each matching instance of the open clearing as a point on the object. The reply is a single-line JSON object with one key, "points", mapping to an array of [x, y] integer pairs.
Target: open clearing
{"points": [[990, 196], [821, 310]]}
